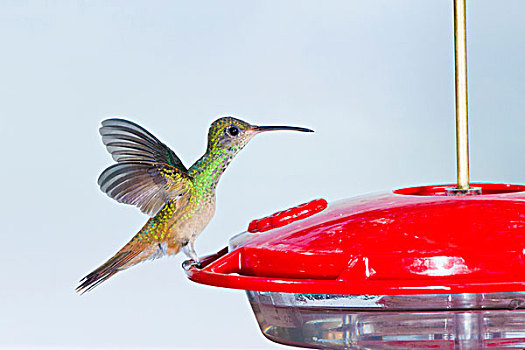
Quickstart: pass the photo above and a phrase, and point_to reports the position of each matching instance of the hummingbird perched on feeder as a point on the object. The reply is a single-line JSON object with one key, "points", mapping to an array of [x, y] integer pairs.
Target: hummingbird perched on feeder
{"points": [[180, 201]]}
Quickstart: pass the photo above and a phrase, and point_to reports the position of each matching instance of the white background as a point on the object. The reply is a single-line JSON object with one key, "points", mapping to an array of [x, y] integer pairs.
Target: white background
{"points": [[373, 78]]}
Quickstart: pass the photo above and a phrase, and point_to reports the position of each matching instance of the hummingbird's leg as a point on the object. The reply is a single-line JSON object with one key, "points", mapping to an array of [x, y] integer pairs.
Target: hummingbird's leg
{"points": [[189, 250]]}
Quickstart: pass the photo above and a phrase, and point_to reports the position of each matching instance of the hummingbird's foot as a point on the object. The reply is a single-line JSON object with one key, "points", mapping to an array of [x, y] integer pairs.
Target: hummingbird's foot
{"points": [[189, 250], [186, 265]]}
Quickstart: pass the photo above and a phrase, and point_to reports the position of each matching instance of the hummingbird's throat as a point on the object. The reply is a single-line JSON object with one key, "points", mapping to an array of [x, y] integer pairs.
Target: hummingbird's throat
{"points": [[209, 168]]}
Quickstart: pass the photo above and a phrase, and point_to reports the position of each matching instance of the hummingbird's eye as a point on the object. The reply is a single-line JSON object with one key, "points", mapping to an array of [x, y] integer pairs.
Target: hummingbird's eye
{"points": [[233, 130]]}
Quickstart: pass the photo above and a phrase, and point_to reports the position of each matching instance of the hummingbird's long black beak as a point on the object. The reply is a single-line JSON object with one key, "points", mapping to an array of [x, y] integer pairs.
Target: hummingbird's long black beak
{"points": [[276, 128]]}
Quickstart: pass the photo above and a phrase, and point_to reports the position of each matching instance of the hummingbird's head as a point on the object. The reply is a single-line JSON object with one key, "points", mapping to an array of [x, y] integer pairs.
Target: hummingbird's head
{"points": [[233, 134]]}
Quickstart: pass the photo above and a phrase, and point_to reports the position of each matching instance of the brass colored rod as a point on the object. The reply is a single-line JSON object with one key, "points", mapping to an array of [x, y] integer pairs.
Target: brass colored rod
{"points": [[460, 55]]}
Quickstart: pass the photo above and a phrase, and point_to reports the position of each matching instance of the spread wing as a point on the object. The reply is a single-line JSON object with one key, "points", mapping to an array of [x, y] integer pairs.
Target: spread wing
{"points": [[147, 173], [127, 141]]}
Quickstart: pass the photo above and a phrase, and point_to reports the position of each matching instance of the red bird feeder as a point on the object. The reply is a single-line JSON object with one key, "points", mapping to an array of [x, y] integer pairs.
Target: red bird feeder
{"points": [[409, 269], [432, 267]]}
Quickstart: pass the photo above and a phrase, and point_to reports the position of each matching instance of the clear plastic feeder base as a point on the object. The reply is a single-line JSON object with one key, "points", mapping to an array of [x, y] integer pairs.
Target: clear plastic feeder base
{"points": [[453, 321]]}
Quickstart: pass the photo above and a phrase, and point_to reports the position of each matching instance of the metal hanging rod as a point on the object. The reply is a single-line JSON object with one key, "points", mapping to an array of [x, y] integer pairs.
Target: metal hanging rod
{"points": [[460, 55]]}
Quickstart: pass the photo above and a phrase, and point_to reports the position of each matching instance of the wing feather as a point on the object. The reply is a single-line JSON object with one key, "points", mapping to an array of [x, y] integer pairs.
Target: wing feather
{"points": [[128, 142], [147, 185]]}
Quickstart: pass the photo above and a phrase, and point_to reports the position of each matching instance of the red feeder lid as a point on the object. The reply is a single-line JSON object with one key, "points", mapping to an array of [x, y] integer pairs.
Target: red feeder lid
{"points": [[411, 241]]}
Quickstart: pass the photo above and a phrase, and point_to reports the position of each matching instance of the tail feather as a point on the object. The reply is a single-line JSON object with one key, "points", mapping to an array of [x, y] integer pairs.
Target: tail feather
{"points": [[130, 255], [117, 263]]}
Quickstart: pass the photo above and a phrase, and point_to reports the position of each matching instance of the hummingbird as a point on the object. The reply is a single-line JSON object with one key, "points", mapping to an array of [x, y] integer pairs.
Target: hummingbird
{"points": [[179, 201]]}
